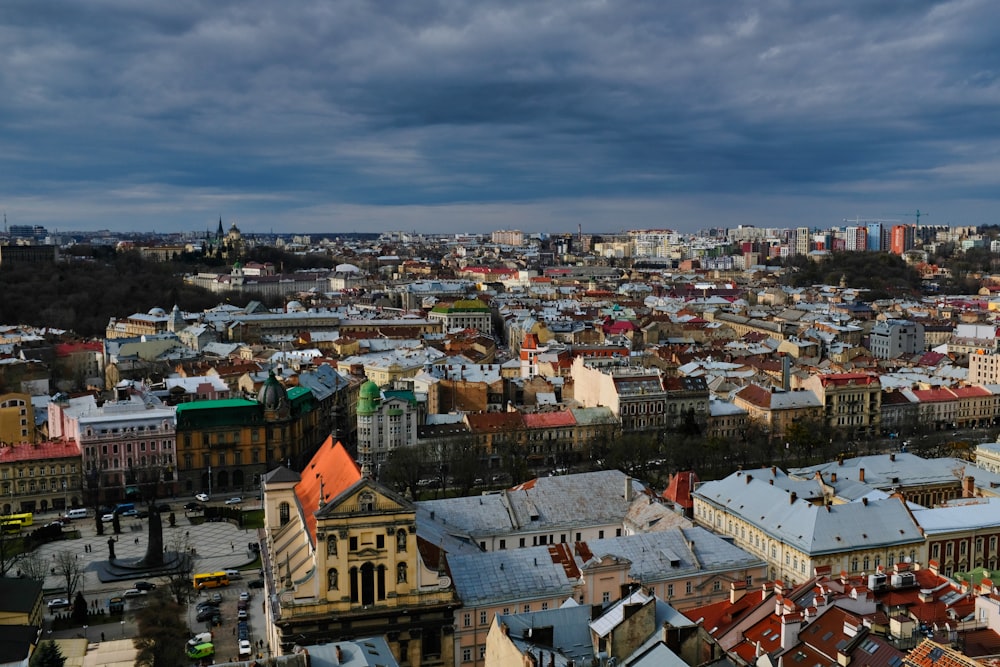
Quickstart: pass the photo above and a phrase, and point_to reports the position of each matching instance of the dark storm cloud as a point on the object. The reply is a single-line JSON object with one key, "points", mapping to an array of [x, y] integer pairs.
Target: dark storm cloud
{"points": [[415, 114]]}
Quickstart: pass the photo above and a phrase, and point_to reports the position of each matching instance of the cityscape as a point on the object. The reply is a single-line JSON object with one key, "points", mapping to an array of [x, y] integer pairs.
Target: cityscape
{"points": [[642, 447]]}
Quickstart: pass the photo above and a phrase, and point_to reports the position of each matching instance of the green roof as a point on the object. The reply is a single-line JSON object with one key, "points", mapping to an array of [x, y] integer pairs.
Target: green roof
{"points": [[462, 305], [215, 404]]}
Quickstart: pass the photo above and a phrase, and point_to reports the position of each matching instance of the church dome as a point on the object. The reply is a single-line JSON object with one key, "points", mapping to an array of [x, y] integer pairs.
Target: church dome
{"points": [[157, 312], [272, 395]]}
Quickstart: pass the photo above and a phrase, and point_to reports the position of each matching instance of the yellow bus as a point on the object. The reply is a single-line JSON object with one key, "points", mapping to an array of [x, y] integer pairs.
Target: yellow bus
{"points": [[210, 580], [24, 519], [10, 527]]}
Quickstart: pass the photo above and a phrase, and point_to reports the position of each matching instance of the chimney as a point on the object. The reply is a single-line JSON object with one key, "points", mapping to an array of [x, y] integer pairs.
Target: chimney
{"points": [[790, 624], [786, 363], [861, 474], [774, 471], [864, 501], [792, 497], [749, 478], [968, 486], [628, 489], [833, 478]]}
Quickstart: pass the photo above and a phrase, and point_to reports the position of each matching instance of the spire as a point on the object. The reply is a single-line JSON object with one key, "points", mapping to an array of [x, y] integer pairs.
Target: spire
{"points": [[219, 232]]}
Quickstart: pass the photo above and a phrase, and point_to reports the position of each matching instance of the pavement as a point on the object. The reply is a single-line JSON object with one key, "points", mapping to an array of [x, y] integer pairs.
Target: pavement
{"points": [[214, 546]]}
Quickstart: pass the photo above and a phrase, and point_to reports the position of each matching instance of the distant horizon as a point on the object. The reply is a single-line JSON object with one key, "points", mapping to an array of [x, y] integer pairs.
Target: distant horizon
{"points": [[443, 117]]}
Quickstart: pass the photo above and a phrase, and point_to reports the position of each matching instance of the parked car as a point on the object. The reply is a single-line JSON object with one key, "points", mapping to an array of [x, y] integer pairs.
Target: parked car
{"points": [[234, 574], [203, 497], [242, 604], [145, 585], [108, 518], [242, 614], [212, 615], [244, 596], [194, 507], [245, 648], [131, 512], [200, 638], [243, 630], [133, 593], [235, 500], [216, 598], [256, 583], [58, 603]]}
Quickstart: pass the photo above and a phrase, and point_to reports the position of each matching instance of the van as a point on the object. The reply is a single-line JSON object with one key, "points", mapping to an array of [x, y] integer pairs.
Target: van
{"points": [[80, 513], [234, 574], [124, 507], [201, 651], [200, 638]]}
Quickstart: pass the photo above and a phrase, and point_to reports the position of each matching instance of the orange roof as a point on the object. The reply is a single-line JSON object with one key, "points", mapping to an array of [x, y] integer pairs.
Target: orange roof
{"points": [[679, 489], [332, 466]]}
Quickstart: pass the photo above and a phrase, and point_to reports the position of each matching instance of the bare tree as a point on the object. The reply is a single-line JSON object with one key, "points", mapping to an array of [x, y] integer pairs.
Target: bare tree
{"points": [[68, 567], [31, 566], [179, 579]]}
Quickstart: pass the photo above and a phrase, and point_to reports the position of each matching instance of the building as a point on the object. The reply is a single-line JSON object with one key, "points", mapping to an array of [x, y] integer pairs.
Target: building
{"points": [[22, 602], [514, 237], [342, 559], [125, 441], [890, 339], [463, 314], [42, 476], [17, 419], [777, 410], [984, 367], [386, 422], [228, 444], [852, 402], [962, 535], [763, 513], [21, 255], [901, 239]]}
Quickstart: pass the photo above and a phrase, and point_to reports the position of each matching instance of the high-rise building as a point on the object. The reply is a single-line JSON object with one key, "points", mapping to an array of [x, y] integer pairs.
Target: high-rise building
{"points": [[507, 237], [902, 239], [801, 244], [874, 231]]}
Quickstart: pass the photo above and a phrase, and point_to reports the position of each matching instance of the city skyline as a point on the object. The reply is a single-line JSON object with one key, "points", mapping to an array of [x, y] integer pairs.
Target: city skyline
{"points": [[444, 117]]}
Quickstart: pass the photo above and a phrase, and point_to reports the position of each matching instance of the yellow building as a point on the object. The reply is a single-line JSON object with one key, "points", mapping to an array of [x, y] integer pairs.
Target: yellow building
{"points": [[22, 601], [39, 477], [17, 419], [342, 560]]}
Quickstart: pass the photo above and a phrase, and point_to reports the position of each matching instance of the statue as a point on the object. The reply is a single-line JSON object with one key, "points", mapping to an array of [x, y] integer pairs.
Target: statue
{"points": [[111, 548]]}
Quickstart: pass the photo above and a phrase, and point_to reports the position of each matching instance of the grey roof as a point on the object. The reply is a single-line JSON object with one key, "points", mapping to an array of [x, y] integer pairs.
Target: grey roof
{"points": [[965, 514], [20, 594], [888, 471], [674, 554], [545, 503], [509, 575], [570, 634], [364, 652], [812, 529]]}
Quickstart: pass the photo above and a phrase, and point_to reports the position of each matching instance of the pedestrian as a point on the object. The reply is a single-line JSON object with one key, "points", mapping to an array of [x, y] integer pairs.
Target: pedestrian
{"points": [[234, 631], [102, 636], [232, 546]]}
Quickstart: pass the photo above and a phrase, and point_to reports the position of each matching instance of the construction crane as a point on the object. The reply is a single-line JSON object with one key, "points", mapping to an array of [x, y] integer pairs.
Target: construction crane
{"points": [[916, 215]]}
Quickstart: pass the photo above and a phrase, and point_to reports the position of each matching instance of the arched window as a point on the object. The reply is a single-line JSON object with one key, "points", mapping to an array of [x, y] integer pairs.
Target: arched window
{"points": [[284, 513], [331, 579], [400, 540], [367, 502], [401, 573], [331, 545]]}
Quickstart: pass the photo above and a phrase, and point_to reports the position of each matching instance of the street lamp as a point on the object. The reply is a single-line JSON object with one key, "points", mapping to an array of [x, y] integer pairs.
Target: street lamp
{"points": [[85, 635], [122, 622]]}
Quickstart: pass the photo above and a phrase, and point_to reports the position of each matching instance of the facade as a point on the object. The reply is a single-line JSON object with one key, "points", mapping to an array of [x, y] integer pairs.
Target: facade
{"points": [[385, 422], [125, 442], [636, 395], [463, 314], [893, 338], [514, 237], [228, 444], [851, 401], [342, 559], [41, 476], [962, 535], [984, 367], [777, 410], [17, 419]]}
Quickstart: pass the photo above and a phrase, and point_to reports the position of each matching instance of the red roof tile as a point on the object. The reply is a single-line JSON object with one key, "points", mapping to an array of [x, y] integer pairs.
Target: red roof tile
{"points": [[332, 466], [43, 450]]}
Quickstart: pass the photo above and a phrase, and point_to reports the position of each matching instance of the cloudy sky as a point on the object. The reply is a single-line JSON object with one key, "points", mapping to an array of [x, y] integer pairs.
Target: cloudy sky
{"points": [[455, 115]]}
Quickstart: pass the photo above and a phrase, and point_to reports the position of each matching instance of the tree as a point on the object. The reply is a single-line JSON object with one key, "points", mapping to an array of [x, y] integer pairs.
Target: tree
{"points": [[47, 655], [32, 567], [68, 567], [11, 548], [401, 471], [462, 460], [162, 632], [79, 613], [179, 579]]}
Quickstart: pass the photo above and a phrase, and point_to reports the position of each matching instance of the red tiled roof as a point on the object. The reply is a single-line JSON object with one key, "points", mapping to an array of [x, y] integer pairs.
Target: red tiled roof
{"points": [[66, 349], [43, 450], [755, 395], [847, 378], [549, 419], [678, 491], [335, 468], [495, 421]]}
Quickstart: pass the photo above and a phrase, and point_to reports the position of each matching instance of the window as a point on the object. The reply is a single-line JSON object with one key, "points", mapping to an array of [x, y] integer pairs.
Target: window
{"points": [[545, 605], [354, 544], [670, 590], [527, 608], [466, 654], [482, 618], [503, 544], [284, 513], [717, 586], [466, 620], [605, 596], [380, 541], [687, 588], [600, 534]]}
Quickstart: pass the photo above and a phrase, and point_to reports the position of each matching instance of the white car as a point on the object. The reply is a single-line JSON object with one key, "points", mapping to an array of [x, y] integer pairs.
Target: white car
{"points": [[234, 501], [108, 518], [201, 497], [133, 593], [245, 647], [58, 603]]}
